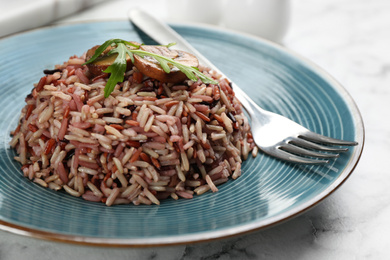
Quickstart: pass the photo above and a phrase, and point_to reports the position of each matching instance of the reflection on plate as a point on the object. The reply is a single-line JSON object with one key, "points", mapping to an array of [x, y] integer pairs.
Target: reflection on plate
{"points": [[269, 191]]}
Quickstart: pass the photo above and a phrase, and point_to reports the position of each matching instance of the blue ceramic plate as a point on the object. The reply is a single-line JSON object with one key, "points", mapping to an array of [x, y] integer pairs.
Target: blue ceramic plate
{"points": [[268, 192]]}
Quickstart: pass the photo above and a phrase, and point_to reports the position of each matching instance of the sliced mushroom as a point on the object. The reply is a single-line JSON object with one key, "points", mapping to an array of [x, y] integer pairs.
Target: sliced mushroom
{"points": [[150, 67], [104, 61]]}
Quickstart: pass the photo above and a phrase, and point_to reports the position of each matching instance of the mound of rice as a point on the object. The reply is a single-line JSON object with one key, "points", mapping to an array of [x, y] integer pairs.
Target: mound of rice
{"points": [[147, 141]]}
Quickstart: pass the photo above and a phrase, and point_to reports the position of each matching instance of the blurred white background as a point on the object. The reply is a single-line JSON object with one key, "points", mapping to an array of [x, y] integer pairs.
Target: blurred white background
{"points": [[349, 39], [265, 18]]}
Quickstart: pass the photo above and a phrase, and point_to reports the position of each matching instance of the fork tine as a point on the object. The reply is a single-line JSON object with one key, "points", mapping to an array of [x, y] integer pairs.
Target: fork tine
{"points": [[310, 145], [311, 136], [286, 156], [301, 151]]}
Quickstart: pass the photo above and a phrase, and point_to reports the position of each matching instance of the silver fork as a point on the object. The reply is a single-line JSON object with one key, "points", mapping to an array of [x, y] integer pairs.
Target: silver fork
{"points": [[283, 138], [274, 134]]}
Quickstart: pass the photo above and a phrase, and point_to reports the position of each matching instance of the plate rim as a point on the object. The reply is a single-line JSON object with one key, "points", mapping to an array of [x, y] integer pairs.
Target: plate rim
{"points": [[232, 231]]}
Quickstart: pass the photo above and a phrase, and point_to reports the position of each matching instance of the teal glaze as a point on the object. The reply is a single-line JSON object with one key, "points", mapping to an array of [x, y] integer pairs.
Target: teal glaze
{"points": [[269, 191]]}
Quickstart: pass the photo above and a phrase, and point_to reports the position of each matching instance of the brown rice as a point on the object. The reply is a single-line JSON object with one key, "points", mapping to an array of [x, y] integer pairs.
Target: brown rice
{"points": [[146, 142]]}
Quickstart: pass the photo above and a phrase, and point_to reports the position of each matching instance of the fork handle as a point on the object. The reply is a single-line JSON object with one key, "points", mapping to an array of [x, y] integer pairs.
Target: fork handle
{"points": [[250, 106]]}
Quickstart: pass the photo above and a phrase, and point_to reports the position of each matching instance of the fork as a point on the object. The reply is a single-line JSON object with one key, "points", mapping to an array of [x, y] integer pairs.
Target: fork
{"points": [[284, 139], [273, 134]]}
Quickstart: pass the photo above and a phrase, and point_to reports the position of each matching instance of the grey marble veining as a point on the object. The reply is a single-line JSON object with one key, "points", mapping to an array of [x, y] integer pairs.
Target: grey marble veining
{"points": [[350, 39]]}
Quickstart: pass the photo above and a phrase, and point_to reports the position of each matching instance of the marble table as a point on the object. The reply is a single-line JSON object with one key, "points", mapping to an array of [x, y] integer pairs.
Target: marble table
{"points": [[350, 39]]}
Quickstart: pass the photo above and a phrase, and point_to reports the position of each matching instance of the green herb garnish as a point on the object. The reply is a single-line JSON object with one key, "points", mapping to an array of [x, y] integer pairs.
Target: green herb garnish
{"points": [[118, 68]]}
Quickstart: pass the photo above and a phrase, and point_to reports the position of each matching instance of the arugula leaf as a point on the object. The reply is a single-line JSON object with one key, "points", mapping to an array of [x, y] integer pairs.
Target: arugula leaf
{"points": [[189, 71], [164, 64], [118, 68], [170, 44], [101, 49]]}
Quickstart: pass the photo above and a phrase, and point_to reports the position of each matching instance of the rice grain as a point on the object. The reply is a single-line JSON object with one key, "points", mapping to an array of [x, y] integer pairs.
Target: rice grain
{"points": [[147, 141]]}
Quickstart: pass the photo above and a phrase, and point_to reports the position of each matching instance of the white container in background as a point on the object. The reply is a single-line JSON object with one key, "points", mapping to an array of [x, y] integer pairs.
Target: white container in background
{"points": [[265, 18], [194, 11], [268, 19]]}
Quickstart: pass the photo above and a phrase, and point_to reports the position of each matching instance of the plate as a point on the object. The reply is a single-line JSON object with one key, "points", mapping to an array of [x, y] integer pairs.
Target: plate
{"points": [[268, 192]]}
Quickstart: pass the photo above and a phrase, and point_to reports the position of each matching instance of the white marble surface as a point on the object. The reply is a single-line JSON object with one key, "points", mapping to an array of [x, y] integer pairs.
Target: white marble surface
{"points": [[350, 39]]}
